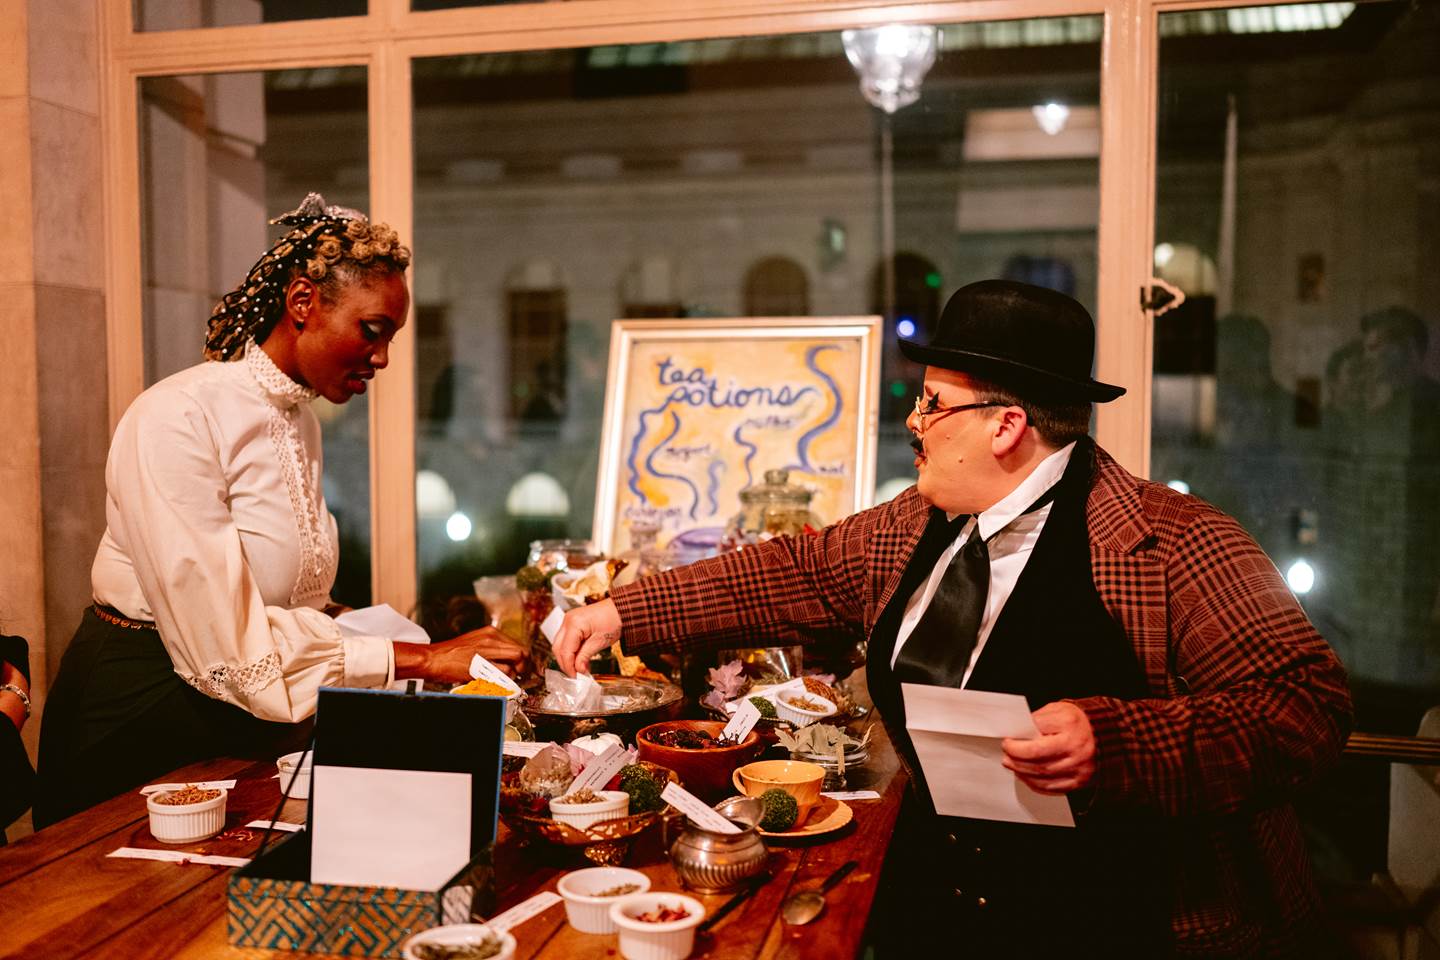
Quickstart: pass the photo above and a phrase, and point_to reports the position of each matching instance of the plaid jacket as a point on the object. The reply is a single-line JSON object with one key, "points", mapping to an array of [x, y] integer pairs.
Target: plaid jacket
{"points": [[1248, 702]]}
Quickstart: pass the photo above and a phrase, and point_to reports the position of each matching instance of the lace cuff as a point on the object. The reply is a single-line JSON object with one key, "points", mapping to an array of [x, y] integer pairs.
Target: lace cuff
{"points": [[232, 682]]}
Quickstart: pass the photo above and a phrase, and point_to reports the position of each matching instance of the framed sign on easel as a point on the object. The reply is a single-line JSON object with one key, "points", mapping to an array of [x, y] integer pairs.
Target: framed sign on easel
{"points": [[698, 409]]}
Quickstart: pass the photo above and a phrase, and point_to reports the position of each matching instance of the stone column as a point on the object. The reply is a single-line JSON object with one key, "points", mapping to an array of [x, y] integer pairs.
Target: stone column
{"points": [[52, 322]]}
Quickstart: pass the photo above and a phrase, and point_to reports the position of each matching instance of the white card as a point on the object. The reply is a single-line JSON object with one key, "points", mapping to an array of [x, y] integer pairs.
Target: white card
{"points": [[524, 910], [524, 748], [388, 828], [276, 825], [551, 624], [740, 725], [482, 669], [957, 735], [696, 809], [851, 795], [203, 785], [176, 856], [598, 772]]}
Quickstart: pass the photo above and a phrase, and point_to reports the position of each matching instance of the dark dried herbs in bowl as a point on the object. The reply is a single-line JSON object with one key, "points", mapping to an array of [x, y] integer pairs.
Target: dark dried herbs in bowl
{"points": [[687, 739]]}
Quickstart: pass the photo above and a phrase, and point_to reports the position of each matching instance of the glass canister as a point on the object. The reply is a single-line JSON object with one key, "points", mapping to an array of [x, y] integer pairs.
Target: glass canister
{"points": [[533, 581], [770, 509]]}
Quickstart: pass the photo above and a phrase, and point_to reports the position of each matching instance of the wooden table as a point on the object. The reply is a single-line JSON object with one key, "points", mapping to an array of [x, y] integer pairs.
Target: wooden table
{"points": [[61, 897]]}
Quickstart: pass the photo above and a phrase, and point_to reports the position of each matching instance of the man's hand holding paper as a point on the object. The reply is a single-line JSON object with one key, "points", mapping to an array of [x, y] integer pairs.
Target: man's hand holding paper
{"points": [[1062, 759], [958, 736]]}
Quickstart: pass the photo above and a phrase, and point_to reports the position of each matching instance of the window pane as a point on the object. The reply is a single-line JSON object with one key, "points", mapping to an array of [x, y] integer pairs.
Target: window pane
{"points": [[189, 14], [220, 155], [559, 190], [1296, 387]]}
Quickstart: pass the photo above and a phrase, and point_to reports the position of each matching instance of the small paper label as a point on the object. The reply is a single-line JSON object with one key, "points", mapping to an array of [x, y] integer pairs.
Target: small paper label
{"points": [[482, 669], [695, 808], [204, 785], [740, 725], [276, 825], [551, 624], [523, 911], [176, 856], [524, 748], [598, 772], [851, 795]]}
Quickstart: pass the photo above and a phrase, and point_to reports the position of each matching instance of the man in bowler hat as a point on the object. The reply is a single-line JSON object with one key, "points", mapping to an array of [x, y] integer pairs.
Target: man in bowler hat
{"points": [[1180, 693]]}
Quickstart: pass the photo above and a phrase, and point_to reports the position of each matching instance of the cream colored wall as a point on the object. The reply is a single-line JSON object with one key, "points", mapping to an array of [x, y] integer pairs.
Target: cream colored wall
{"points": [[52, 322]]}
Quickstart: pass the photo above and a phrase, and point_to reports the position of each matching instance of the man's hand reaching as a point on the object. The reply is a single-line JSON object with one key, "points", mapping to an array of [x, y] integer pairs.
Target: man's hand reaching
{"points": [[585, 631]]}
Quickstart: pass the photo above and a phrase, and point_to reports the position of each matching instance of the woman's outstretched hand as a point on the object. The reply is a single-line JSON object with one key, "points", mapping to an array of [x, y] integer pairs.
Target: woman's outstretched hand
{"points": [[449, 660]]}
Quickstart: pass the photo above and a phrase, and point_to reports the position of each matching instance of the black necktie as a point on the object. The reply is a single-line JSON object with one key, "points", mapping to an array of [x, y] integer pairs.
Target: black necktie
{"points": [[938, 649]]}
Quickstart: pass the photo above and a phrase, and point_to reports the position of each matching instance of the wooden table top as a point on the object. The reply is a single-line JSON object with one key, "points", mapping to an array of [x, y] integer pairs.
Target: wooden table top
{"points": [[61, 897]]}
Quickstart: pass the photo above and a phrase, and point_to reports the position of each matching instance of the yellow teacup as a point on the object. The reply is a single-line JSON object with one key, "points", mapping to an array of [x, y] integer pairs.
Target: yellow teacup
{"points": [[799, 779]]}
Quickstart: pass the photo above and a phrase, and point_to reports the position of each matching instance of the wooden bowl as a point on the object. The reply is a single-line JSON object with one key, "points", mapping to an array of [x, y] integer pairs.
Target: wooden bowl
{"points": [[705, 773]]}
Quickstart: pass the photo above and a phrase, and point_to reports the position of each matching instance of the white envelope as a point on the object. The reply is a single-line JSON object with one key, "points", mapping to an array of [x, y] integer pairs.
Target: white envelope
{"points": [[956, 735]]}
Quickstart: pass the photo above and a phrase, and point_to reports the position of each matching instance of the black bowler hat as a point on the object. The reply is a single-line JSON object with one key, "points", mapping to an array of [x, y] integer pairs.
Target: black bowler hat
{"points": [[1035, 341]]}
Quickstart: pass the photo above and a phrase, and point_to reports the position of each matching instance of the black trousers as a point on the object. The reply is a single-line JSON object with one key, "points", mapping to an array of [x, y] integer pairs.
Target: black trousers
{"points": [[974, 889], [118, 717]]}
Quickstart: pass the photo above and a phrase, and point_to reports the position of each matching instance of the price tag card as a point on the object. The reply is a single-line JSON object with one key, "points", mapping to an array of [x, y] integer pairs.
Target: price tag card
{"points": [[696, 809], [740, 725], [203, 785], [524, 748], [276, 825], [551, 624], [176, 856], [524, 910], [598, 772], [482, 669]]}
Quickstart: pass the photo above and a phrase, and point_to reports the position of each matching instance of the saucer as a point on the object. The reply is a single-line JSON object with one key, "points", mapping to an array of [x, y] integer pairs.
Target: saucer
{"points": [[828, 816]]}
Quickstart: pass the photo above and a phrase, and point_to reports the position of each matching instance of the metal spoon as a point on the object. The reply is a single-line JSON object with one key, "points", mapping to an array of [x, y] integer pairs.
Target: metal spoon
{"points": [[800, 908]]}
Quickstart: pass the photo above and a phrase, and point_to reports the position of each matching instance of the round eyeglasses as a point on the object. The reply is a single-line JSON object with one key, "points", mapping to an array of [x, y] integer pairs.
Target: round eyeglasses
{"points": [[929, 407]]}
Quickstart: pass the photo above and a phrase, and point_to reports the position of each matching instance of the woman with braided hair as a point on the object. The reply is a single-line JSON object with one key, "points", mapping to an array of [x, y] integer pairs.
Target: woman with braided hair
{"points": [[210, 634]]}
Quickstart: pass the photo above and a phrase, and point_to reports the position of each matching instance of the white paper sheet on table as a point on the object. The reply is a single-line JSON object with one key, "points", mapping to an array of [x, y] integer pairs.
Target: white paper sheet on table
{"points": [[957, 734], [383, 620], [389, 828]]}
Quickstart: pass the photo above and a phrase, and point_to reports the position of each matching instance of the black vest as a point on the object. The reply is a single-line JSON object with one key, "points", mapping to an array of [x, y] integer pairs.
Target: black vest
{"points": [[1053, 640]]}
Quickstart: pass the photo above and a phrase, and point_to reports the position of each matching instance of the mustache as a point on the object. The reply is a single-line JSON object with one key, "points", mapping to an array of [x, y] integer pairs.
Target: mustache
{"points": [[917, 445]]}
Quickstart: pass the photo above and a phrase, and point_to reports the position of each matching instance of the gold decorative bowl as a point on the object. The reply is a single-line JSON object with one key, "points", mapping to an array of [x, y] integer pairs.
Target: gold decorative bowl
{"points": [[605, 842]]}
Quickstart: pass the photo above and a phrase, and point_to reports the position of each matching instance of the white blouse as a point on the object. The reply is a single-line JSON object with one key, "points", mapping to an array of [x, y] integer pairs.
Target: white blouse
{"points": [[217, 530]]}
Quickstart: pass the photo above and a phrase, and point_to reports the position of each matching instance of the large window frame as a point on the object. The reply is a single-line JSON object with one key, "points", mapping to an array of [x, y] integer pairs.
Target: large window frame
{"points": [[390, 37]]}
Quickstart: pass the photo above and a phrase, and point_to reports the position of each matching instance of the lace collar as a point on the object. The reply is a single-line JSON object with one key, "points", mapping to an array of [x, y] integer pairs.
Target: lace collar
{"points": [[274, 384]]}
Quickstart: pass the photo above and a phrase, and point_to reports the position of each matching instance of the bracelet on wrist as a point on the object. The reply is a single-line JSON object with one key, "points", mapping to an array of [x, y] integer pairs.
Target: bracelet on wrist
{"points": [[24, 697]]}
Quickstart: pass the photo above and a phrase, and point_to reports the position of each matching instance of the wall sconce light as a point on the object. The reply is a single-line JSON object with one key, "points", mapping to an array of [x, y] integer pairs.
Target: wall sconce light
{"points": [[891, 61], [1051, 116]]}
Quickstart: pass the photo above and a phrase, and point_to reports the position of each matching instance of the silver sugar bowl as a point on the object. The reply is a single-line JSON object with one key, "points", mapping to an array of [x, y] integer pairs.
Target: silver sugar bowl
{"points": [[711, 862]]}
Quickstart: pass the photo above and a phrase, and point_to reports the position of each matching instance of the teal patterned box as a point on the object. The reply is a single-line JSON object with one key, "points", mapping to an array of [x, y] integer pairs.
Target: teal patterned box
{"points": [[272, 904]]}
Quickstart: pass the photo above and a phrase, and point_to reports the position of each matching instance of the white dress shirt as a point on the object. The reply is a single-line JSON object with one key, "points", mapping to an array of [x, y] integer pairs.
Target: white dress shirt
{"points": [[1010, 538], [217, 530]]}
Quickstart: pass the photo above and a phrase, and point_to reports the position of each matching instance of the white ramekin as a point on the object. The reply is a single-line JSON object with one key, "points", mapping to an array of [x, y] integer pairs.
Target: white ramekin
{"points": [[301, 775], [581, 815], [798, 716], [186, 822], [459, 935], [587, 912], [672, 940]]}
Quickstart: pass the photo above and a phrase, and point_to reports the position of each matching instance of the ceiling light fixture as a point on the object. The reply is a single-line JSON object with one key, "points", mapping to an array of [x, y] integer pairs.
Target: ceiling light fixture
{"points": [[891, 61]]}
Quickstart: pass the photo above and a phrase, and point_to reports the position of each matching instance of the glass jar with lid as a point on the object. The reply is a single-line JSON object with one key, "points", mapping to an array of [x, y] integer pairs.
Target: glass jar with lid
{"points": [[546, 558], [770, 509]]}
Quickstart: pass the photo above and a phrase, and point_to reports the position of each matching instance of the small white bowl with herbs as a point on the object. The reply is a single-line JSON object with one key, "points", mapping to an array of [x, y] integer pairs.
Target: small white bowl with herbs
{"points": [[460, 941]]}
